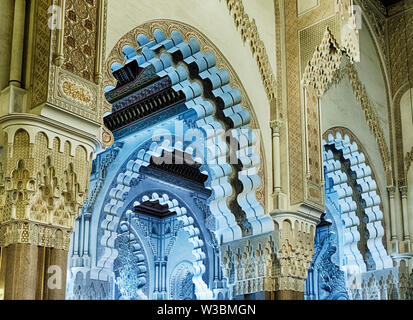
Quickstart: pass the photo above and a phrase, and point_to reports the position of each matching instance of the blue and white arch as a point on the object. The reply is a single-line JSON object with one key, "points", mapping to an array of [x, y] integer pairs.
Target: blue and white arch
{"points": [[370, 203], [214, 111]]}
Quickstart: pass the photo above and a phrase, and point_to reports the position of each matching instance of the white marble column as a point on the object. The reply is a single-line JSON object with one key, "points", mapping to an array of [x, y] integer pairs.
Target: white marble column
{"points": [[391, 190], [76, 239], [87, 223], [59, 56], [406, 234], [276, 126], [277, 192]]}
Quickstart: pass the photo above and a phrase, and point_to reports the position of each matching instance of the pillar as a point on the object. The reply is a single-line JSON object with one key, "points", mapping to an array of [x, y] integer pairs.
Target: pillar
{"points": [[17, 43], [157, 278], [99, 47], [406, 234], [21, 278], [278, 196], [393, 221], [76, 240], [59, 56], [30, 247], [86, 257], [6, 30], [2, 271], [82, 236], [164, 294], [41, 274], [55, 275]]}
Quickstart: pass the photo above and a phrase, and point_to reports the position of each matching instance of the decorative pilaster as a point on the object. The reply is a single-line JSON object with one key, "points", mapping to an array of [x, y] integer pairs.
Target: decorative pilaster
{"points": [[329, 30], [76, 241], [276, 128], [86, 257]]}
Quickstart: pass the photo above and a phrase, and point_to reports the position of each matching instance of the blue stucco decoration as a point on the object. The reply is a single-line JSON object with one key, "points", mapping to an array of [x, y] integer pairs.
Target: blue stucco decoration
{"points": [[129, 255]]}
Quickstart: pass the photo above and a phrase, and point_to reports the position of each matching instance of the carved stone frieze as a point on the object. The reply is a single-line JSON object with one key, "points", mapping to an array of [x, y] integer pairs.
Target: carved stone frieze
{"points": [[250, 266], [43, 186], [296, 248], [325, 61], [27, 232]]}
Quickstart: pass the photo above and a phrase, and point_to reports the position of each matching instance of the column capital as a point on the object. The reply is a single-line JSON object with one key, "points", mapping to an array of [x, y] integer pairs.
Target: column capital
{"points": [[403, 191], [87, 215], [391, 190], [276, 126]]}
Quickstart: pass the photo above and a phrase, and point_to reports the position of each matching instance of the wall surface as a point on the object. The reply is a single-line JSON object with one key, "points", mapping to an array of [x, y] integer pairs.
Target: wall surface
{"points": [[370, 71]]}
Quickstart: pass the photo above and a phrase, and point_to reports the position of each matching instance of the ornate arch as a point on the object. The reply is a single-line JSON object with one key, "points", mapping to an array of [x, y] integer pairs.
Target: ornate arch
{"points": [[198, 268], [214, 106], [188, 32], [370, 201], [221, 221], [353, 139]]}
